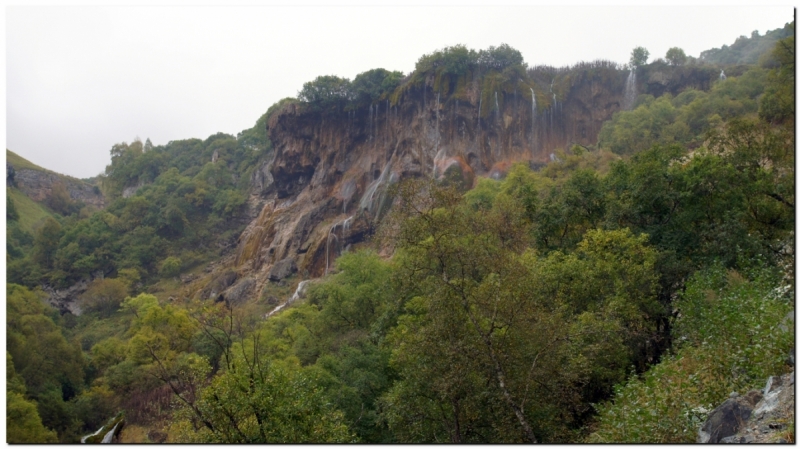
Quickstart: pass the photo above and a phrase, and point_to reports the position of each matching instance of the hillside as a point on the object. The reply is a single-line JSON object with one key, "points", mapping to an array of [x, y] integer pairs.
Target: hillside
{"points": [[480, 251], [42, 185]]}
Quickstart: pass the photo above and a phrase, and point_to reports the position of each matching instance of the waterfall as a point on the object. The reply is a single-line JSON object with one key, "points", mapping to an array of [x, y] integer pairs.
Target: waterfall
{"points": [[480, 106], [299, 291], [437, 120], [496, 108], [533, 116], [367, 201], [722, 76], [328, 245], [630, 90], [109, 435], [83, 440], [370, 122]]}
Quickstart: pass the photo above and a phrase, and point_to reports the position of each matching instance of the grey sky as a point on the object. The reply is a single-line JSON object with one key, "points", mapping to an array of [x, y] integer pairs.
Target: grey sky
{"points": [[80, 79]]}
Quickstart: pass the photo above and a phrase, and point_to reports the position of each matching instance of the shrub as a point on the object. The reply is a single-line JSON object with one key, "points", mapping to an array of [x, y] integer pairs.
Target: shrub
{"points": [[730, 336]]}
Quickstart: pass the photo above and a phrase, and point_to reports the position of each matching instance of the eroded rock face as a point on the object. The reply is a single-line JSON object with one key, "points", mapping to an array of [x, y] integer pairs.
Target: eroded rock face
{"points": [[327, 186], [38, 185]]}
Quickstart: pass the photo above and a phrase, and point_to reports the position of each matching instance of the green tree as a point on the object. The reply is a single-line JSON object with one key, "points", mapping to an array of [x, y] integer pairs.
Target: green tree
{"points": [[486, 304], [639, 57], [262, 402], [104, 296], [676, 56], [170, 267], [45, 243], [23, 424]]}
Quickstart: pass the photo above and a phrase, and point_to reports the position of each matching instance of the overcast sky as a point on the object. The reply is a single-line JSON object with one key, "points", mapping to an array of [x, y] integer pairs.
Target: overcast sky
{"points": [[80, 79]]}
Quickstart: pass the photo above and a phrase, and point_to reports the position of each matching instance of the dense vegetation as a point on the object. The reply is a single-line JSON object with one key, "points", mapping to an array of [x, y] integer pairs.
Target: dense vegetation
{"points": [[615, 295]]}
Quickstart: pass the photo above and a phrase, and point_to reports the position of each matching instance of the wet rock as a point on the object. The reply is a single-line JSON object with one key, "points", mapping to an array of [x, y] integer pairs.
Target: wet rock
{"points": [[282, 269], [760, 416], [219, 284], [725, 420], [240, 292]]}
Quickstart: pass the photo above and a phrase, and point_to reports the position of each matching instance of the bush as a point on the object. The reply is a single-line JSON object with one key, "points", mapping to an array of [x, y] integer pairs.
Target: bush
{"points": [[731, 336], [170, 267], [104, 296]]}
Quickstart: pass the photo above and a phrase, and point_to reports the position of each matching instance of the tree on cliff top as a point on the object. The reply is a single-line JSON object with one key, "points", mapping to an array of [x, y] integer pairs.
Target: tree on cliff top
{"points": [[639, 57], [676, 56]]}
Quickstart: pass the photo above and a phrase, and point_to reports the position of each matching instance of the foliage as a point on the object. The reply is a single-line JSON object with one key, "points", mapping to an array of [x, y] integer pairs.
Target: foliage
{"points": [[104, 296], [326, 91], [260, 402], [676, 56], [777, 105], [639, 57], [682, 119], [747, 50], [483, 303], [23, 424], [732, 335], [11, 210], [170, 267]]}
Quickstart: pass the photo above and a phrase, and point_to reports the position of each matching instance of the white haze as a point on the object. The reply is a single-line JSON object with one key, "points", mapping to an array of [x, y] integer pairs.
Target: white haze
{"points": [[80, 79]]}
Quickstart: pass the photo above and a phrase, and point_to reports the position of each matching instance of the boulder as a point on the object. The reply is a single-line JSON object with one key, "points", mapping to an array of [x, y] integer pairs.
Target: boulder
{"points": [[761, 416], [728, 418], [241, 291], [282, 269]]}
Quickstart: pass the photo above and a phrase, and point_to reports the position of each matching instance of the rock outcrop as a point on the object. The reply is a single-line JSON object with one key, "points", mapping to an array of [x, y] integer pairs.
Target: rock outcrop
{"points": [[38, 186], [327, 186], [760, 416]]}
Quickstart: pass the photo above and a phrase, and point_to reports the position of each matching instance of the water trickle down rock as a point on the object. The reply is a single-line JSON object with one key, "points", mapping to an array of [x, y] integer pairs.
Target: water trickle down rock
{"points": [[298, 293], [630, 90]]}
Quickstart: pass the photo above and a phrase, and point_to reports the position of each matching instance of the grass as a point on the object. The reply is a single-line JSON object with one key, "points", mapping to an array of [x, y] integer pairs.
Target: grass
{"points": [[31, 213], [20, 163]]}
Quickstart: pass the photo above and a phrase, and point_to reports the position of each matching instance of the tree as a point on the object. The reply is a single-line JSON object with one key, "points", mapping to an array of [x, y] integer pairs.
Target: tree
{"points": [[528, 345], [104, 296], [45, 242], [23, 424], [326, 91], [639, 57], [676, 56], [170, 267]]}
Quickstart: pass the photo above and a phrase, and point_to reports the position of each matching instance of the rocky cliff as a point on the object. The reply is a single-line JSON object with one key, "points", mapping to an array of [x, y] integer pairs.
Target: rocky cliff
{"points": [[38, 183], [326, 187]]}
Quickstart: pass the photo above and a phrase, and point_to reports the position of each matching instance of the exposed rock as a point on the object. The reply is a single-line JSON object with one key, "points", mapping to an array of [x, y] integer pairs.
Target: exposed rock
{"points": [[728, 418], [129, 191], [327, 186], [240, 291], [219, 284], [10, 174], [282, 270], [38, 185], [757, 417], [66, 300]]}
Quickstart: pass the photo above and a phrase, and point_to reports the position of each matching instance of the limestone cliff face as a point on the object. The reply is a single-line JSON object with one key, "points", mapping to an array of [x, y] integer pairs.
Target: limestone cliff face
{"points": [[325, 189], [38, 185], [331, 170]]}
